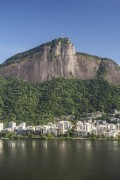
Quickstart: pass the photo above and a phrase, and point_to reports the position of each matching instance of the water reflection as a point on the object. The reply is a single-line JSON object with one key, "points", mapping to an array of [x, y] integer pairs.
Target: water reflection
{"points": [[45, 145], [1, 146], [13, 144], [88, 145], [62, 146], [33, 144], [51, 160]]}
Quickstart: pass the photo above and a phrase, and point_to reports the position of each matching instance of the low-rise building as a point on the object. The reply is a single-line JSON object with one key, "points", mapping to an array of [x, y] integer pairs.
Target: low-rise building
{"points": [[88, 127], [22, 126], [114, 133], [64, 126], [79, 125]]}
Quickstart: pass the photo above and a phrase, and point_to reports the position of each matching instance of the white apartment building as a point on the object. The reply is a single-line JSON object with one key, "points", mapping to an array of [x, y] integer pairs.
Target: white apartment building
{"points": [[113, 133], [64, 126], [101, 129], [88, 127], [79, 125], [118, 126], [1, 126], [22, 126], [12, 125], [30, 128], [45, 129], [111, 126]]}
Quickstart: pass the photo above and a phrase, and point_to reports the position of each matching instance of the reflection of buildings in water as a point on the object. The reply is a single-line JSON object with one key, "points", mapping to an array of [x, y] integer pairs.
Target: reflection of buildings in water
{"points": [[33, 144], [62, 146], [78, 144], [22, 145], [63, 155], [114, 145], [45, 145], [1, 146], [88, 145], [89, 150], [13, 144], [55, 143]]}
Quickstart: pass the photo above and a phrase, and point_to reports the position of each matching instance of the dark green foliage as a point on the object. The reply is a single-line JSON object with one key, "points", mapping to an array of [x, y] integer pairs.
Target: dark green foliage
{"points": [[87, 55], [22, 56], [56, 41], [93, 56], [102, 70], [40, 103]]}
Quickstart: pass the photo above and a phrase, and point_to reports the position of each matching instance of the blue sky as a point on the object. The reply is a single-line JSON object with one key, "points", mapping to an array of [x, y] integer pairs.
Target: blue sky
{"points": [[92, 25]]}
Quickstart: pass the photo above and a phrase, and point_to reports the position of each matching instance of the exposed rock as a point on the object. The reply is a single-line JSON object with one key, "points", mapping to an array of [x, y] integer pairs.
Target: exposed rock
{"points": [[59, 59]]}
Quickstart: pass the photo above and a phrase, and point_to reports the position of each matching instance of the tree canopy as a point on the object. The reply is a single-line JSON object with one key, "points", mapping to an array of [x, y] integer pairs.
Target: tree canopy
{"points": [[40, 103]]}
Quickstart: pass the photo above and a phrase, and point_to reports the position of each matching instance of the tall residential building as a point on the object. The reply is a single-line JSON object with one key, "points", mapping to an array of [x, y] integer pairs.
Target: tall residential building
{"points": [[88, 127], [80, 125], [1, 126], [12, 125], [64, 126]]}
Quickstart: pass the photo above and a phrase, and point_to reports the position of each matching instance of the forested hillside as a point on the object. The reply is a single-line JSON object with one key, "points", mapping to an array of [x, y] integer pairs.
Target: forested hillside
{"points": [[39, 103]]}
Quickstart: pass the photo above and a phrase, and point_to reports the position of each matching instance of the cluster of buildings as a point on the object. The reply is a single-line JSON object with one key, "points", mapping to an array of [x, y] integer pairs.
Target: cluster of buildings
{"points": [[81, 128], [87, 127], [55, 129], [97, 128]]}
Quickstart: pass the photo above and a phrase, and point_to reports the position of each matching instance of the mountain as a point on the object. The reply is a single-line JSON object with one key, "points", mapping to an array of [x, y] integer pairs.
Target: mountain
{"points": [[58, 58], [40, 103]]}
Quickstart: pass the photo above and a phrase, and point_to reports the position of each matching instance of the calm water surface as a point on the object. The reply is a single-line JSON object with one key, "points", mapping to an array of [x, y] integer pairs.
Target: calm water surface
{"points": [[59, 160]]}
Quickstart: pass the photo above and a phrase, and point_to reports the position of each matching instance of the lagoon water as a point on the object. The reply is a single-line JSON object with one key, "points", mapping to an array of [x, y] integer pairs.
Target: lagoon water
{"points": [[59, 160]]}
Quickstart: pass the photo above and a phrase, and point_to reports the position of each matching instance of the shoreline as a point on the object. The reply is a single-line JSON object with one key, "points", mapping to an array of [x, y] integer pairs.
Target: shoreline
{"points": [[62, 138]]}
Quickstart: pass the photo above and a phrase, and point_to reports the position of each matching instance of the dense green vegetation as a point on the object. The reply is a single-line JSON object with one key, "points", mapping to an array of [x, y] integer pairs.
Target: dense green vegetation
{"points": [[102, 71], [40, 103], [93, 56], [54, 42]]}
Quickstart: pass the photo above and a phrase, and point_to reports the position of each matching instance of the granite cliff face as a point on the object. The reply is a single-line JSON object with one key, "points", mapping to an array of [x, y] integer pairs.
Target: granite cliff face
{"points": [[58, 58]]}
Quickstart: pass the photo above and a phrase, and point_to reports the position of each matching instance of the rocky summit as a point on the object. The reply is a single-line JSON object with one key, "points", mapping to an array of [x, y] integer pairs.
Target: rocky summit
{"points": [[59, 58]]}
